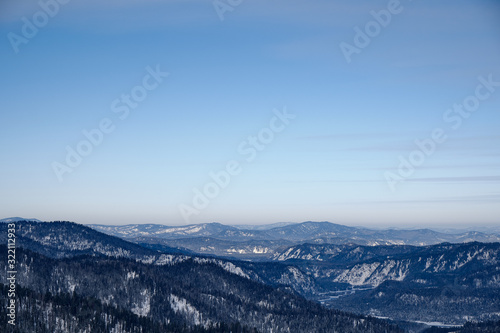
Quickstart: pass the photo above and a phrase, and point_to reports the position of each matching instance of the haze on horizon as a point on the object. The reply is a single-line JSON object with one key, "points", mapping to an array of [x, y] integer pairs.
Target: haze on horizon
{"points": [[377, 113]]}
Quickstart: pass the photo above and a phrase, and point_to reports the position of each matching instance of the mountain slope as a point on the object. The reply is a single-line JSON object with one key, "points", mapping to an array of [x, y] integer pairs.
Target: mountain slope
{"points": [[64, 312], [449, 283], [66, 239]]}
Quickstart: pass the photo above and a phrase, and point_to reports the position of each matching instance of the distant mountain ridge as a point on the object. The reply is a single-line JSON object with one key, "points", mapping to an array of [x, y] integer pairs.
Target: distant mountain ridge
{"points": [[229, 241], [309, 231], [17, 219], [294, 232]]}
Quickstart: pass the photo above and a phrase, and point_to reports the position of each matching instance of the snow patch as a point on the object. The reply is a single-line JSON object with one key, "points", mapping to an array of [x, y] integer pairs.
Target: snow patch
{"points": [[180, 305], [227, 266], [143, 307], [358, 274]]}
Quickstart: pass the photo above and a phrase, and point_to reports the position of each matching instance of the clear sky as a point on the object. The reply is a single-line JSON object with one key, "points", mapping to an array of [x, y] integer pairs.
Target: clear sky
{"points": [[374, 113]]}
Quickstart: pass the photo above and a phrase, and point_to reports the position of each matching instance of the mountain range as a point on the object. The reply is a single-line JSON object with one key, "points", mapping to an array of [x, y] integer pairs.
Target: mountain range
{"points": [[345, 284], [62, 266]]}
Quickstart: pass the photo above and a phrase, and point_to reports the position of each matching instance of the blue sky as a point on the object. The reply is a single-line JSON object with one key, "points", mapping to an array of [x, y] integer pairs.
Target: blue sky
{"points": [[352, 119]]}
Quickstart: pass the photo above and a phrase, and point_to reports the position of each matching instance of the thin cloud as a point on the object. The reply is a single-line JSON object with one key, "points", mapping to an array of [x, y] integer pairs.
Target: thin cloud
{"points": [[478, 198], [355, 136], [457, 179]]}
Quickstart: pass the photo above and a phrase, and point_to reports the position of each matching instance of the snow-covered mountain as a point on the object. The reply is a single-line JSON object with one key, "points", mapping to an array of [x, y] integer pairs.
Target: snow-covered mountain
{"points": [[217, 230]]}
